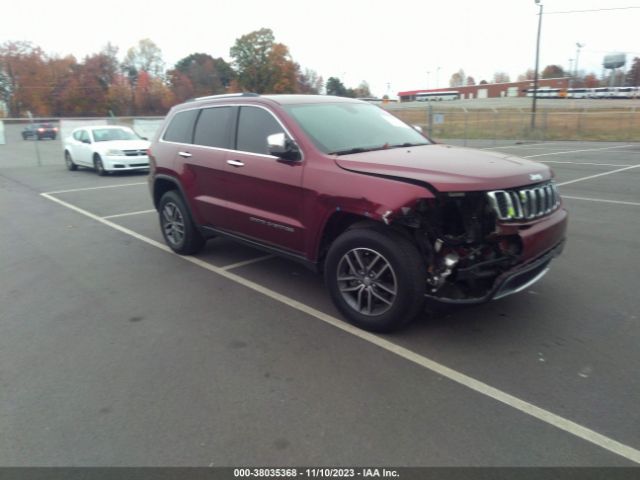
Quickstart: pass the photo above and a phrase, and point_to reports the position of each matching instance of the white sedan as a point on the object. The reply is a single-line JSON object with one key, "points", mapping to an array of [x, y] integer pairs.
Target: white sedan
{"points": [[106, 149]]}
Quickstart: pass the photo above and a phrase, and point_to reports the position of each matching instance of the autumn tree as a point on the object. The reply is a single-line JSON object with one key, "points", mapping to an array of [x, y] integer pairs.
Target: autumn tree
{"points": [[199, 74], [146, 57], [470, 80], [284, 75], [151, 95], [590, 81], [25, 84], [262, 65], [528, 75], [633, 75], [457, 79], [501, 77], [120, 96], [62, 72], [309, 82], [363, 90], [336, 87], [552, 71]]}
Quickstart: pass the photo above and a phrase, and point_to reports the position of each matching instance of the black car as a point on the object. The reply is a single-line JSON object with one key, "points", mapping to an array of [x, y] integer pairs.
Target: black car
{"points": [[39, 131]]}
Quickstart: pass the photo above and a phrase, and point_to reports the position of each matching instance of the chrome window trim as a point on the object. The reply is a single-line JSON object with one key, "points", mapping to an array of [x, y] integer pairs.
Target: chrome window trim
{"points": [[202, 107]]}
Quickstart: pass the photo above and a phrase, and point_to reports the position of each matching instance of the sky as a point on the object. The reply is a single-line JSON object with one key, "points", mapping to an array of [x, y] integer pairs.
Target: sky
{"points": [[393, 45]]}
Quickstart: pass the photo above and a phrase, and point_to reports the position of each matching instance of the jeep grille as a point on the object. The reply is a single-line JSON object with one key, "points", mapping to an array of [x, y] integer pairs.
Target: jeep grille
{"points": [[525, 203]]}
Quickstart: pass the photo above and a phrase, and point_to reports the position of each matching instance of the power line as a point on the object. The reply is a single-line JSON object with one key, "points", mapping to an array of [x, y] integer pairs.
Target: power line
{"points": [[594, 10]]}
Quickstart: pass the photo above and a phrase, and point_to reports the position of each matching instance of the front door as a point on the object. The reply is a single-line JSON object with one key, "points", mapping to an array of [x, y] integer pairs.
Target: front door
{"points": [[264, 193]]}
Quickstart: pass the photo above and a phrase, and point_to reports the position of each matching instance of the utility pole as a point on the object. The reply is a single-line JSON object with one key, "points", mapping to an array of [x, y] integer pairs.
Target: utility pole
{"points": [[535, 77]]}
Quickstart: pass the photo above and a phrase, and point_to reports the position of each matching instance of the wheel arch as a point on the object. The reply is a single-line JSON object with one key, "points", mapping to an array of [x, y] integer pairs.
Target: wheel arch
{"points": [[340, 222]]}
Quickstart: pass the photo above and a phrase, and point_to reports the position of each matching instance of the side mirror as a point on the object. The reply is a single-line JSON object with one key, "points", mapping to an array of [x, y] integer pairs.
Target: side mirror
{"points": [[86, 140], [281, 146], [417, 128]]}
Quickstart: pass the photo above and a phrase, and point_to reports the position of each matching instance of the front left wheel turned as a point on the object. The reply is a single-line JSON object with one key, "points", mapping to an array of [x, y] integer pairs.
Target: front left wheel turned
{"points": [[376, 278]]}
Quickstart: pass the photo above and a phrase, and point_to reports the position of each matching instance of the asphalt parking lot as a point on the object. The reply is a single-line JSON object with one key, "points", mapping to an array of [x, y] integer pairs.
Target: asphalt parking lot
{"points": [[114, 351]]}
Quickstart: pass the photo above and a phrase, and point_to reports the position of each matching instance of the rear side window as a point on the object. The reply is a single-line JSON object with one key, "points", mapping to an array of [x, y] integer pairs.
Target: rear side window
{"points": [[254, 126], [181, 127], [212, 129]]}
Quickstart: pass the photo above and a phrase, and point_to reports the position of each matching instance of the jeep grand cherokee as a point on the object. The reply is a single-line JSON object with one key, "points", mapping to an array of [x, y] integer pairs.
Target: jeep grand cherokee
{"points": [[390, 217]]}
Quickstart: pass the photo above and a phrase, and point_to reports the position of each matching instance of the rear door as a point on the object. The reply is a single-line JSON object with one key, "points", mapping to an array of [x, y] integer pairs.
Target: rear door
{"points": [[264, 193], [204, 163]]}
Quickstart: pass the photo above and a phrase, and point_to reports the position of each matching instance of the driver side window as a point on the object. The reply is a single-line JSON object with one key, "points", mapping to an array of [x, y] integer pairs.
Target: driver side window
{"points": [[254, 126]]}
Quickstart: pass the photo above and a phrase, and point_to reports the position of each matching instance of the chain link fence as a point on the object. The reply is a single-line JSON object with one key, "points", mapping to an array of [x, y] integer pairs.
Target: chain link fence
{"points": [[494, 124]]}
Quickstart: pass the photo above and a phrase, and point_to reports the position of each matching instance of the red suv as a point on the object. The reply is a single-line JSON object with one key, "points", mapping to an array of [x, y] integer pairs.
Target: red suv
{"points": [[390, 217]]}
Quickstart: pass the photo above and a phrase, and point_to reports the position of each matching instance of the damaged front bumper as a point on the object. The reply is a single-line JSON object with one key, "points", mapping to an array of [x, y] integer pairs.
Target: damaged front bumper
{"points": [[512, 281]]}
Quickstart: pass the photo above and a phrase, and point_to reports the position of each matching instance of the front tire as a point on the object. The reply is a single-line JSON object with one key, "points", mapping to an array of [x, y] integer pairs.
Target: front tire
{"points": [[69, 162], [178, 230], [376, 278], [99, 166]]}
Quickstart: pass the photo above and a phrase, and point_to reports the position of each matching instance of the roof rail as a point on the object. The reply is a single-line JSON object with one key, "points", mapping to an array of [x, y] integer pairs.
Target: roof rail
{"points": [[225, 95]]}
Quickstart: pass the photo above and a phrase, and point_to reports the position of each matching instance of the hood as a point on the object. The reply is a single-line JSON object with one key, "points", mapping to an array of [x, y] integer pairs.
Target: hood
{"points": [[123, 145], [448, 168]]}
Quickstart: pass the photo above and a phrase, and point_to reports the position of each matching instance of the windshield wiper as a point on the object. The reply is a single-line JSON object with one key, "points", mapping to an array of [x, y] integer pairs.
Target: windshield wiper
{"points": [[386, 146], [408, 144], [353, 150]]}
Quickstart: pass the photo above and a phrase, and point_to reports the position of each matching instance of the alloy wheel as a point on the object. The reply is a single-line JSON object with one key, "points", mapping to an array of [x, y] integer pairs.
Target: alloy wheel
{"points": [[173, 223], [367, 282]]}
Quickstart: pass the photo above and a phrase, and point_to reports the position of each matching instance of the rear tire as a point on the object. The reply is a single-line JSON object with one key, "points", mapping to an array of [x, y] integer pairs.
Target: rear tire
{"points": [[178, 229], [376, 278]]}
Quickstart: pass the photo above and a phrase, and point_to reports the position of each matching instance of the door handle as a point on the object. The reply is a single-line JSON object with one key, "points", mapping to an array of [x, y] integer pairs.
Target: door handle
{"points": [[184, 154], [235, 163]]}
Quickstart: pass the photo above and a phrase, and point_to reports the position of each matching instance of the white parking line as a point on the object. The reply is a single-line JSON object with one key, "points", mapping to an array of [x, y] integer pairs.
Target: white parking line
{"points": [[96, 188], [130, 213], [618, 202], [246, 262], [584, 163], [523, 145], [598, 175], [523, 406], [576, 151]]}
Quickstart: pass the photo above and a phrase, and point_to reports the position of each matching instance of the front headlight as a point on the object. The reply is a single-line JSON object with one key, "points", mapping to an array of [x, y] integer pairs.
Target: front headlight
{"points": [[112, 152]]}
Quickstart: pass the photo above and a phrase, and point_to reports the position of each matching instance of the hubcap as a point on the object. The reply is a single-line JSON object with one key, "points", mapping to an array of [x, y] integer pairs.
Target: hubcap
{"points": [[173, 223], [367, 281]]}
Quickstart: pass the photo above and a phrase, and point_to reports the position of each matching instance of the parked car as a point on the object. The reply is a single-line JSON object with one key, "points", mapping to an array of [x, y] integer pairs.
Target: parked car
{"points": [[106, 149], [390, 217], [39, 131]]}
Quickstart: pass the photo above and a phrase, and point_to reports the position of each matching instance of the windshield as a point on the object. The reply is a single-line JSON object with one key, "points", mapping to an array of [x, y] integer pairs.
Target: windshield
{"points": [[342, 128], [108, 134]]}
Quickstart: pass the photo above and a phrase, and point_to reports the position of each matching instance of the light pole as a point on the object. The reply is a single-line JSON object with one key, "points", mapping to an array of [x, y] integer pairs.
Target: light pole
{"points": [[570, 72], [578, 47], [535, 75]]}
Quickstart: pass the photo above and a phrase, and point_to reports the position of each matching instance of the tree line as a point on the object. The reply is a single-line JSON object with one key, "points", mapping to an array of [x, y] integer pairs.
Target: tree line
{"points": [[581, 80], [100, 84]]}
